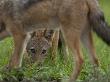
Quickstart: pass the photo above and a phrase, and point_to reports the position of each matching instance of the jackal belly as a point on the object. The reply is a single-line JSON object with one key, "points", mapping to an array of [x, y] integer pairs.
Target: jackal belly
{"points": [[51, 24]]}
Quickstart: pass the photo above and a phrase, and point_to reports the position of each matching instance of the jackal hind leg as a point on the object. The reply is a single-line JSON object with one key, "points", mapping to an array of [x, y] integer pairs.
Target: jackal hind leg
{"points": [[20, 42], [73, 40], [87, 40], [63, 46]]}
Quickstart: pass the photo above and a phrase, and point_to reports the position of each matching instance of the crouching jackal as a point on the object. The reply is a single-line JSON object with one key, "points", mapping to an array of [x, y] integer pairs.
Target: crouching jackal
{"points": [[75, 18], [41, 42]]}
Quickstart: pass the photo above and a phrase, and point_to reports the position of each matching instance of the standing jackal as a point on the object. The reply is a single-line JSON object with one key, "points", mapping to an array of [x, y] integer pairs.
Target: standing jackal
{"points": [[75, 18]]}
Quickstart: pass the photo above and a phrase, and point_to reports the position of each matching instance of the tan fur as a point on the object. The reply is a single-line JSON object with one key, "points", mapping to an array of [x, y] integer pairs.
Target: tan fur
{"points": [[71, 16]]}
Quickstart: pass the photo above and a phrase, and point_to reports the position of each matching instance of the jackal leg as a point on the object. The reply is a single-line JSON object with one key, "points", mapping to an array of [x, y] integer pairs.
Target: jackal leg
{"points": [[88, 43], [20, 42], [63, 46], [73, 41]]}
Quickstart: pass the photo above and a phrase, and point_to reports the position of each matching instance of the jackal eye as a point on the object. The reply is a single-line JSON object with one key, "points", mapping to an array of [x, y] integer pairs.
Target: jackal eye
{"points": [[33, 51], [44, 51]]}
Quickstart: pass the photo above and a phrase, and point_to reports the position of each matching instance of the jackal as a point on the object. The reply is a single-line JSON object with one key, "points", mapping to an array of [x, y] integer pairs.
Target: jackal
{"points": [[75, 18]]}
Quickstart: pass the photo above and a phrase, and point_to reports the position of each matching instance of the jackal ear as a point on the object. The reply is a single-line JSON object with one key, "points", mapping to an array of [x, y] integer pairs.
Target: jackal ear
{"points": [[48, 34], [33, 34]]}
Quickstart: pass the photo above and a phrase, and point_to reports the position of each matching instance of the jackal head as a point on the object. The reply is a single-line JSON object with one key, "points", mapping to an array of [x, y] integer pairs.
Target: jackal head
{"points": [[39, 45]]}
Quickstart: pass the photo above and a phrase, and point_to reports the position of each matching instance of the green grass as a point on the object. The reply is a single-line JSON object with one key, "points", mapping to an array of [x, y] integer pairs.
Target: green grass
{"points": [[62, 69]]}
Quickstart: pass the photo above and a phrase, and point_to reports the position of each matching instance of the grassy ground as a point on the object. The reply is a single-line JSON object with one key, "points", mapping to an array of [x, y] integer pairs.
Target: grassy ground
{"points": [[60, 69]]}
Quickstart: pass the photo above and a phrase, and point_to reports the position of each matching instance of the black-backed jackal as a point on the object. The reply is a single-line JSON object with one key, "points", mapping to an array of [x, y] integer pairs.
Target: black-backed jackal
{"points": [[75, 18]]}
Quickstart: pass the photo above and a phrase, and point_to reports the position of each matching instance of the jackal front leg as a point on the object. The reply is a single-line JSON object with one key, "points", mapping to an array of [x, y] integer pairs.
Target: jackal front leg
{"points": [[20, 42]]}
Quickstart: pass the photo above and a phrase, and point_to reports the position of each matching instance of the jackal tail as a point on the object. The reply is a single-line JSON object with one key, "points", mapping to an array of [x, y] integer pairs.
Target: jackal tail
{"points": [[98, 23]]}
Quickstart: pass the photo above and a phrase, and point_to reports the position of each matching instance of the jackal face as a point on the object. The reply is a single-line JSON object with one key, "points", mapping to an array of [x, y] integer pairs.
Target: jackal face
{"points": [[39, 44], [37, 48]]}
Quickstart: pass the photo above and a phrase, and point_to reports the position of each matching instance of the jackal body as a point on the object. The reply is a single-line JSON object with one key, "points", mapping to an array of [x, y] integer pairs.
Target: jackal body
{"points": [[73, 17], [48, 13]]}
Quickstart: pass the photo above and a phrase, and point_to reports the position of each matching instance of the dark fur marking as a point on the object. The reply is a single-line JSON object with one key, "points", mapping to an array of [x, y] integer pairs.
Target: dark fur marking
{"points": [[2, 27], [33, 34], [100, 26], [28, 3]]}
